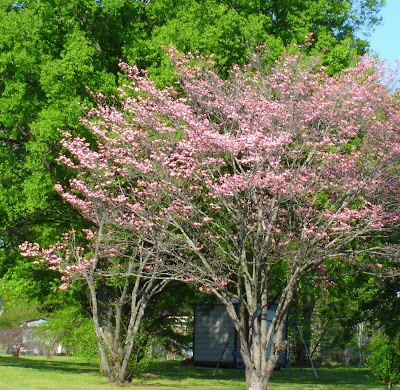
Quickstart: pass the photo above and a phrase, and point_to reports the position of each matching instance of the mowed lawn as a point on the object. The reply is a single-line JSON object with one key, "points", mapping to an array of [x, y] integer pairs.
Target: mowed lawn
{"points": [[68, 373]]}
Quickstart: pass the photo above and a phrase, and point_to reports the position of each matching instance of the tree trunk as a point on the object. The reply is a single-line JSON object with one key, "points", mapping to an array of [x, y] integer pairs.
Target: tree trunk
{"points": [[116, 373], [256, 381]]}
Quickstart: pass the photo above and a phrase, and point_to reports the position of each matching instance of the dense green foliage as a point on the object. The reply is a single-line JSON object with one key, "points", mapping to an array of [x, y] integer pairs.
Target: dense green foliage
{"points": [[330, 318], [379, 304], [384, 360], [74, 331], [231, 29]]}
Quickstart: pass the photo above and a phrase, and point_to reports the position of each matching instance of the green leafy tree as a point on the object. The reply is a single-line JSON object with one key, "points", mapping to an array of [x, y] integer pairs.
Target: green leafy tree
{"points": [[60, 48], [329, 310], [379, 304], [384, 360], [231, 29]]}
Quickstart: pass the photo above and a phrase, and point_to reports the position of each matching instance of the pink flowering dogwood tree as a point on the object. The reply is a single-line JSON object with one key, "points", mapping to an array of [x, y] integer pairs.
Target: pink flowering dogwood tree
{"points": [[121, 281], [247, 187]]}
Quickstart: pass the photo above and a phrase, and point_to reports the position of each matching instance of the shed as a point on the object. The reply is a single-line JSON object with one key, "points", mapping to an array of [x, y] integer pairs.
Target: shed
{"points": [[216, 341]]}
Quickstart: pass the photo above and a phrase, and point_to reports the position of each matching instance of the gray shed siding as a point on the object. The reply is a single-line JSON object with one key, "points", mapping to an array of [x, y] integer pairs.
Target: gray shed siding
{"points": [[215, 338], [213, 333]]}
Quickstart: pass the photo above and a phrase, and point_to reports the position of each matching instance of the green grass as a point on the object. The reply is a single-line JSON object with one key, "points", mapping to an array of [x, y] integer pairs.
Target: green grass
{"points": [[68, 373]]}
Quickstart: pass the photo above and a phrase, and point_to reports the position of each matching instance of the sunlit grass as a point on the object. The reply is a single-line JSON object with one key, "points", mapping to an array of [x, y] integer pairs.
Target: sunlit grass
{"points": [[65, 373]]}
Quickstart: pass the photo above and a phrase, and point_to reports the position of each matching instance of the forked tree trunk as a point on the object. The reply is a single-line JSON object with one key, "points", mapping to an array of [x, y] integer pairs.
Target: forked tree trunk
{"points": [[257, 377], [261, 342], [115, 349], [114, 359]]}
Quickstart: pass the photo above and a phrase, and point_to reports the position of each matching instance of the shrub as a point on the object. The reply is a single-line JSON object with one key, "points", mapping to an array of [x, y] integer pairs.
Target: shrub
{"points": [[74, 331], [384, 360]]}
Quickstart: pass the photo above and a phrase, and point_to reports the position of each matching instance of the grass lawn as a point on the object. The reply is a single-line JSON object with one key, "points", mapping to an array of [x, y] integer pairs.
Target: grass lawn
{"points": [[68, 373]]}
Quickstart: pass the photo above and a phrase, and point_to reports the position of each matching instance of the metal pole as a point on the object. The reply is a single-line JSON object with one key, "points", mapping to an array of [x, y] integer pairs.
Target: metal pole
{"points": [[223, 351], [305, 346]]}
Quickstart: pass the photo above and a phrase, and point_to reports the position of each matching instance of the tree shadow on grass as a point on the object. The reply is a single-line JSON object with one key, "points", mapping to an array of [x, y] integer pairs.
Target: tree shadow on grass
{"points": [[52, 364], [340, 376], [173, 370]]}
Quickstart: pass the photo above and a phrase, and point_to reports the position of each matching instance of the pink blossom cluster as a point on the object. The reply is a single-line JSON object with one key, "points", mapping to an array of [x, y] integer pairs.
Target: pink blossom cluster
{"points": [[71, 261], [263, 163]]}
